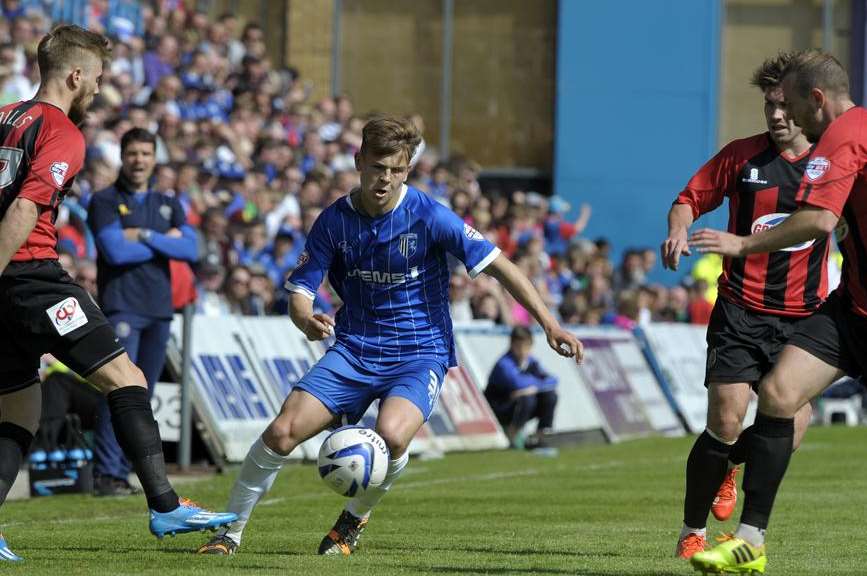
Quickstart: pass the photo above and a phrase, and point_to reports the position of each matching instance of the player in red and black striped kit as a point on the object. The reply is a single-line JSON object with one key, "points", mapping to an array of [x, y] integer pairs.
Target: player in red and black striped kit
{"points": [[832, 342], [761, 297], [41, 309]]}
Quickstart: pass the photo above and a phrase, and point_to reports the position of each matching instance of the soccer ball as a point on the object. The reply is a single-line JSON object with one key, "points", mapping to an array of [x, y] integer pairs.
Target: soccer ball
{"points": [[353, 459]]}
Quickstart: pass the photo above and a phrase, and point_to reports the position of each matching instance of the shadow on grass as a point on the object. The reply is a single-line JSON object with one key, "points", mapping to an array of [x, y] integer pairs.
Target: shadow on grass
{"points": [[490, 570], [534, 570], [191, 551], [522, 551], [620, 572]]}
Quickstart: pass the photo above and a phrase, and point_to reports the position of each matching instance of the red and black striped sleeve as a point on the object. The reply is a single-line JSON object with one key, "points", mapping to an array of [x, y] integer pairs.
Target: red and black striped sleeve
{"points": [[717, 179], [58, 155], [835, 163]]}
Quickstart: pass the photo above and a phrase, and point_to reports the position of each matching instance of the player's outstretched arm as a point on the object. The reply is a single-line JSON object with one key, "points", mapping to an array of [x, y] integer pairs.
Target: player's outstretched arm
{"points": [[520, 287], [805, 224], [315, 326], [679, 220], [17, 223]]}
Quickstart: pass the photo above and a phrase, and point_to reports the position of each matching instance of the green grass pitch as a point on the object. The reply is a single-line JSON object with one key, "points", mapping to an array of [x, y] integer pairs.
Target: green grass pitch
{"points": [[593, 510]]}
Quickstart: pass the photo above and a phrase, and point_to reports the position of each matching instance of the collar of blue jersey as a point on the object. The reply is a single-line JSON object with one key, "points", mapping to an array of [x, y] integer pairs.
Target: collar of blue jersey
{"points": [[403, 191], [122, 185]]}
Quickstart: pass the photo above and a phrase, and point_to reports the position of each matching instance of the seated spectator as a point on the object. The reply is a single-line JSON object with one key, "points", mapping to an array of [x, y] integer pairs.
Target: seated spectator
{"points": [[631, 274], [628, 311], [677, 308], [262, 291], [280, 257], [14, 86], [85, 276], [491, 306], [237, 292], [559, 231], [211, 279], [519, 390]]}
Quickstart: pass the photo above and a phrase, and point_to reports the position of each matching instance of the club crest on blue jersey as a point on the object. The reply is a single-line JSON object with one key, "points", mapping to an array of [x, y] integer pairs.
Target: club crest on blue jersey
{"points": [[166, 211], [407, 245], [346, 250]]}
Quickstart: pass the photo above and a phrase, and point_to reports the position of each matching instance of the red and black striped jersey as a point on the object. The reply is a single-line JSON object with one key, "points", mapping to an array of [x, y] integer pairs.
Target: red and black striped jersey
{"points": [[761, 185], [41, 151], [836, 179]]}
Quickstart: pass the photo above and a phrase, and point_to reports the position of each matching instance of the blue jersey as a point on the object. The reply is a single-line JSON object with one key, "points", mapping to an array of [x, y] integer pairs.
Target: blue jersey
{"points": [[134, 276], [392, 275]]}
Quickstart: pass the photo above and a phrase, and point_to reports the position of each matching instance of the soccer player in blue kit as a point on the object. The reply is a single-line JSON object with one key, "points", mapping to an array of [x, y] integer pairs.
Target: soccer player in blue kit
{"points": [[384, 250]]}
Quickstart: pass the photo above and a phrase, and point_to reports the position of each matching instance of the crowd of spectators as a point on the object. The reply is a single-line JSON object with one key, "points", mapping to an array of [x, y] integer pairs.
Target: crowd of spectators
{"points": [[254, 160]]}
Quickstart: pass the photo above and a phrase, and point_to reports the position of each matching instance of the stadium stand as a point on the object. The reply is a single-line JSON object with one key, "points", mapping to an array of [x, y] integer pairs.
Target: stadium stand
{"points": [[253, 161]]}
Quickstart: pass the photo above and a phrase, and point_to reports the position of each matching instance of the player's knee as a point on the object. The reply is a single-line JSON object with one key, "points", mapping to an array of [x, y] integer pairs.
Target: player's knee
{"points": [[548, 397], [777, 398], [528, 404], [395, 438], [726, 425], [281, 436]]}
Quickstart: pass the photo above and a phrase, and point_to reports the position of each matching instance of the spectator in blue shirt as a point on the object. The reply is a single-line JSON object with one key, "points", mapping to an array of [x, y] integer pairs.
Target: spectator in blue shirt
{"points": [[519, 390], [281, 257], [162, 61], [137, 231], [11, 9]]}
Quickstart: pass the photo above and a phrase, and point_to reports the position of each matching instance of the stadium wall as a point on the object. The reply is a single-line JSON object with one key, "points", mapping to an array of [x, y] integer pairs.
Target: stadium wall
{"points": [[480, 74], [757, 29], [636, 109]]}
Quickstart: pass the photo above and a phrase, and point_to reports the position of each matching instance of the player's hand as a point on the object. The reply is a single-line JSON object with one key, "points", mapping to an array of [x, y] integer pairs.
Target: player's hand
{"points": [[565, 344], [718, 242], [319, 327], [673, 248], [130, 234], [174, 233]]}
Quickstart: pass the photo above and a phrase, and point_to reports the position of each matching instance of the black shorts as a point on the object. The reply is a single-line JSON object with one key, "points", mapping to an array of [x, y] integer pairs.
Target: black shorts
{"points": [[836, 335], [742, 345], [43, 311]]}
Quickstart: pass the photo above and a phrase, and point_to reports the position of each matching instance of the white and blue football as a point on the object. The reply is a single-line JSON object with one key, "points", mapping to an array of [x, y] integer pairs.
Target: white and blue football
{"points": [[353, 459]]}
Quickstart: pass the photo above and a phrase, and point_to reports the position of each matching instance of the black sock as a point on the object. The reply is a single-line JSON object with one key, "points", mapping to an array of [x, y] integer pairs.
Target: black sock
{"points": [[768, 455], [14, 445], [738, 455], [706, 468], [137, 433]]}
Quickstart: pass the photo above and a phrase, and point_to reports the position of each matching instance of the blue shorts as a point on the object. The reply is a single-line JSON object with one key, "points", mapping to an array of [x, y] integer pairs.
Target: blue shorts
{"points": [[347, 388]]}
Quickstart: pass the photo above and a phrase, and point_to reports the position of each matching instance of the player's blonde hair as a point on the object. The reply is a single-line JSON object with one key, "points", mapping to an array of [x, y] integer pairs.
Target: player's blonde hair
{"points": [[66, 45], [818, 69], [387, 135]]}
